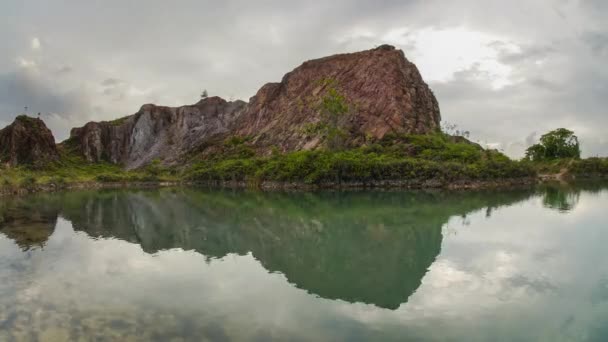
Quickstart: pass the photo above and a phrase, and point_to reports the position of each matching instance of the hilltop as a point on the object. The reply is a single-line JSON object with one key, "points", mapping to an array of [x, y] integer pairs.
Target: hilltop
{"points": [[27, 141], [378, 92]]}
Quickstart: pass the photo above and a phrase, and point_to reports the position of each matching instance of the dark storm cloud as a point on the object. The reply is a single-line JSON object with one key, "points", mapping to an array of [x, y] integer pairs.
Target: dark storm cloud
{"points": [[19, 90], [85, 60]]}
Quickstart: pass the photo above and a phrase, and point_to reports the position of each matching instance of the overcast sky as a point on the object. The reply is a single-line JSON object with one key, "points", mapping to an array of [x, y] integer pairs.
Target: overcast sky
{"points": [[507, 71]]}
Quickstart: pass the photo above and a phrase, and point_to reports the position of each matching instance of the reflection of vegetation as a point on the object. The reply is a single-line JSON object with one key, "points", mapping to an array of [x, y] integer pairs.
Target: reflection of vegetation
{"points": [[560, 197], [564, 197]]}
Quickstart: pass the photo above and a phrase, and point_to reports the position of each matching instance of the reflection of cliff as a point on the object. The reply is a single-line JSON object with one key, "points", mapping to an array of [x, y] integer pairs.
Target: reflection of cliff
{"points": [[359, 247]]}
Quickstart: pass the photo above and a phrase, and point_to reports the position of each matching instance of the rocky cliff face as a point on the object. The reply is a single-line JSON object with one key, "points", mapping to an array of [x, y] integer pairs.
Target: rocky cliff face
{"points": [[155, 132], [27, 141], [383, 91]]}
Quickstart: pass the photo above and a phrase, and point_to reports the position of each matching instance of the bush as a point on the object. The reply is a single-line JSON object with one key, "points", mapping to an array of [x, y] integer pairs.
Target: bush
{"points": [[28, 181], [366, 164], [108, 178], [590, 167]]}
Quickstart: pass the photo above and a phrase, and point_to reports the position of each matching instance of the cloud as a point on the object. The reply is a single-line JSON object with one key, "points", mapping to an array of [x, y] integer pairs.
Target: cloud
{"points": [[35, 44], [24, 88], [500, 69], [598, 42]]}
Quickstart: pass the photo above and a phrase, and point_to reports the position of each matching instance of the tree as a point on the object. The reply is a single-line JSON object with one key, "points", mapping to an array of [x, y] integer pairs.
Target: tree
{"points": [[560, 143], [204, 94], [333, 110]]}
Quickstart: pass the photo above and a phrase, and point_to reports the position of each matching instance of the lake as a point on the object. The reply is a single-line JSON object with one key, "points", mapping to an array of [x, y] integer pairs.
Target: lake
{"points": [[196, 265]]}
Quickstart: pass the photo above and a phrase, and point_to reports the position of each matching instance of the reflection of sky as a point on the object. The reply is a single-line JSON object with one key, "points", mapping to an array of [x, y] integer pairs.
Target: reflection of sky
{"points": [[526, 271]]}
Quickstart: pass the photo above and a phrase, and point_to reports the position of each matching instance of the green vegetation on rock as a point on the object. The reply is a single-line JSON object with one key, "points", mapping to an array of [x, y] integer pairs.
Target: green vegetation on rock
{"points": [[396, 157], [72, 168]]}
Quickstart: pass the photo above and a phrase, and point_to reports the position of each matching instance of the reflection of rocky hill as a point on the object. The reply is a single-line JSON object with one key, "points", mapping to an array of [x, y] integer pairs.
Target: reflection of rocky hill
{"points": [[360, 247], [29, 222], [370, 247]]}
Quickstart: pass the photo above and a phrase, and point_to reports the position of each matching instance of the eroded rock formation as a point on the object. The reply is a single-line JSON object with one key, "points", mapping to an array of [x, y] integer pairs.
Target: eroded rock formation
{"points": [[384, 93], [155, 132], [27, 141]]}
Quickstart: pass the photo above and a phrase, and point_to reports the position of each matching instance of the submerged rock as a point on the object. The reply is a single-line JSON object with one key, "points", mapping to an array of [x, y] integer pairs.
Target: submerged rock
{"points": [[27, 141]]}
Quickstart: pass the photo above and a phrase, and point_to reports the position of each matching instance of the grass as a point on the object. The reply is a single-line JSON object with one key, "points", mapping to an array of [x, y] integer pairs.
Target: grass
{"points": [[72, 168], [119, 121]]}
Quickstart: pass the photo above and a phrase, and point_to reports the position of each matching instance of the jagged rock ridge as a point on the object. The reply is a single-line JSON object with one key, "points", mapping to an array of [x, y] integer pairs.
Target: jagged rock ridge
{"points": [[384, 91], [155, 132], [27, 141]]}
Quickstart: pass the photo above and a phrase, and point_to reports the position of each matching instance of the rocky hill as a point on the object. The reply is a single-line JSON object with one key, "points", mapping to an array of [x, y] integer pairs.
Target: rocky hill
{"points": [[27, 141], [155, 132], [381, 91]]}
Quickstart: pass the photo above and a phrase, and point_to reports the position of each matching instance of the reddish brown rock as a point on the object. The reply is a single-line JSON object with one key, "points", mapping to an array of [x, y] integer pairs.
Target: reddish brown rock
{"points": [[27, 141], [384, 91]]}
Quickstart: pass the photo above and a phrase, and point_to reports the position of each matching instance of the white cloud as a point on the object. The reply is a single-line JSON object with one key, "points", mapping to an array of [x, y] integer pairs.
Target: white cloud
{"points": [[441, 53], [35, 44], [498, 71], [26, 63]]}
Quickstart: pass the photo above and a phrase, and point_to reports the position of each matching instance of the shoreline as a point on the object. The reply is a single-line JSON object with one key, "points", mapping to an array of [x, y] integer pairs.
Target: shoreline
{"points": [[278, 186], [411, 184]]}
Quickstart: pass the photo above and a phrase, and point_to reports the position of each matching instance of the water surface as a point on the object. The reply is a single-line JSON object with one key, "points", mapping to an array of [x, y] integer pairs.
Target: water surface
{"points": [[195, 265]]}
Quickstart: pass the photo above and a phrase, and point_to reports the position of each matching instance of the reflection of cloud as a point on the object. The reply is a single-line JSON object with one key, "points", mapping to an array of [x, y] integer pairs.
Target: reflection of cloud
{"points": [[538, 285], [492, 277], [523, 267]]}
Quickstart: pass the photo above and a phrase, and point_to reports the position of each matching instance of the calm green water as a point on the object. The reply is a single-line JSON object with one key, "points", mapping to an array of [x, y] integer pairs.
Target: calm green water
{"points": [[195, 265]]}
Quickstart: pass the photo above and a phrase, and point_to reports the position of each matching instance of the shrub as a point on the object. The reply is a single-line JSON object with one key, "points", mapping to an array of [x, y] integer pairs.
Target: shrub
{"points": [[108, 178], [28, 181]]}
